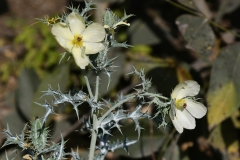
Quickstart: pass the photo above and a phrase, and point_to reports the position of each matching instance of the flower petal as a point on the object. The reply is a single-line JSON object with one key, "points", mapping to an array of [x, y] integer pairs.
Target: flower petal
{"points": [[177, 125], [185, 119], [196, 109], [175, 122], [172, 112], [61, 41], [82, 62], [191, 88], [76, 23], [67, 45], [92, 48], [62, 30], [94, 33], [177, 89]]}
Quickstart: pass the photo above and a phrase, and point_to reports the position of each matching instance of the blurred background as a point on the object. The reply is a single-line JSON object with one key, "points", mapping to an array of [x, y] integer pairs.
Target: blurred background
{"points": [[173, 40]]}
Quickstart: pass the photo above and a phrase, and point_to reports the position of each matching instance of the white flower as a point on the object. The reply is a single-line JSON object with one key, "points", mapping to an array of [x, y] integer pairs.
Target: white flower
{"points": [[75, 38], [184, 108]]}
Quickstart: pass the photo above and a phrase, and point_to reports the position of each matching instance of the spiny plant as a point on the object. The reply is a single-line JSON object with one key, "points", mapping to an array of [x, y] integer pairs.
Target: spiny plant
{"points": [[81, 38]]}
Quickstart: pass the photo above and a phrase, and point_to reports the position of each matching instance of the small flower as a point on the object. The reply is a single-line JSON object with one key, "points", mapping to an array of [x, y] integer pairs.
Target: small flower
{"points": [[77, 39], [183, 106]]}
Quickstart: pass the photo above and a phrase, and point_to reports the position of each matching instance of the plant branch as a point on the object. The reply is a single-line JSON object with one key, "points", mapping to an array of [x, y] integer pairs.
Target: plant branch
{"points": [[96, 89], [155, 95], [114, 107], [93, 138]]}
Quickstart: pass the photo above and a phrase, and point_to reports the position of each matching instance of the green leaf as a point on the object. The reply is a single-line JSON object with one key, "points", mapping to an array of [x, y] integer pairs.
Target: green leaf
{"points": [[224, 137], [141, 34], [15, 122], [59, 77], [172, 152], [27, 85], [11, 153], [224, 90], [198, 34], [226, 7]]}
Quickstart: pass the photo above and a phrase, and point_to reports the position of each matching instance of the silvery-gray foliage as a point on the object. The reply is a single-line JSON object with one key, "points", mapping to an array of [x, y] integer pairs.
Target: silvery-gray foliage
{"points": [[34, 140], [106, 146], [35, 135]]}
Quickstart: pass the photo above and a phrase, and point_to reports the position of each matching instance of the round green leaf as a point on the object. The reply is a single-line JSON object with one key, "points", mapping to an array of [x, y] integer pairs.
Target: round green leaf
{"points": [[141, 34], [198, 34], [27, 85]]}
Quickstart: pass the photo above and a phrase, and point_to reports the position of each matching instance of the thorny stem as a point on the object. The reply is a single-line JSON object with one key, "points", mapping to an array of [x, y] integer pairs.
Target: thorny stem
{"points": [[157, 95], [93, 138], [106, 48], [96, 89], [98, 122], [94, 129]]}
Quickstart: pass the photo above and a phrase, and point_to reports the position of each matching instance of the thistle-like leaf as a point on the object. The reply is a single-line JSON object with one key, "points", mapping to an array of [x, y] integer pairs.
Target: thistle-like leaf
{"points": [[87, 126], [49, 110], [63, 55], [75, 155], [76, 99], [114, 44], [60, 151], [137, 114], [105, 147], [11, 139], [87, 7], [112, 21]]}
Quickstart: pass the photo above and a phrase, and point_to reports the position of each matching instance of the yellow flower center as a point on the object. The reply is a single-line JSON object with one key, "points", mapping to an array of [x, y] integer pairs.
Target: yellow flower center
{"points": [[77, 41], [181, 103]]}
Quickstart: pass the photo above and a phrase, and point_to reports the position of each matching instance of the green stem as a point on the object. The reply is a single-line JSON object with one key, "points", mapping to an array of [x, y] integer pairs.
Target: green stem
{"points": [[96, 89], [88, 86], [185, 8], [93, 138], [203, 16], [155, 95]]}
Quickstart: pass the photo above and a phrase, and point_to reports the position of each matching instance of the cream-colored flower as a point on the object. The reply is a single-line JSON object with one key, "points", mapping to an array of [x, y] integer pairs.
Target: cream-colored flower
{"points": [[75, 38], [184, 109]]}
